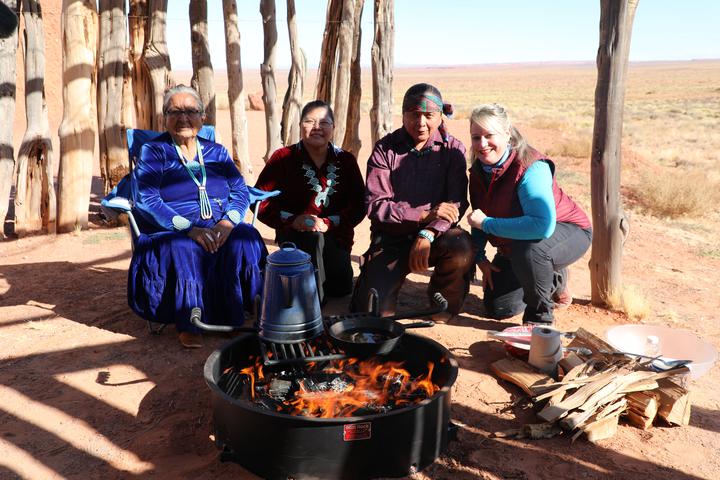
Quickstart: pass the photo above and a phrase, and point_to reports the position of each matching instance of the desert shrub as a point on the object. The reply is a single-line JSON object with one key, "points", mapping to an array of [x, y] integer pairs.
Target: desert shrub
{"points": [[709, 252], [574, 146], [677, 193], [631, 302], [547, 122]]}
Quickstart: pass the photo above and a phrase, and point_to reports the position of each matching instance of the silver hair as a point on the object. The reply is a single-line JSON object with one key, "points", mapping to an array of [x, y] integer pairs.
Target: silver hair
{"points": [[171, 92], [494, 116]]}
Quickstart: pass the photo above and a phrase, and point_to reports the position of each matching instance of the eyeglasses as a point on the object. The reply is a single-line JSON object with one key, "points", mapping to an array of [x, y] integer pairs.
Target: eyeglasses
{"points": [[309, 122], [177, 112]]}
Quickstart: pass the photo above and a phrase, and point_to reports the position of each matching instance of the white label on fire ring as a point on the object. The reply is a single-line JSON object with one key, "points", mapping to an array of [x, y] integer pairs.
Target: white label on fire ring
{"points": [[357, 431]]}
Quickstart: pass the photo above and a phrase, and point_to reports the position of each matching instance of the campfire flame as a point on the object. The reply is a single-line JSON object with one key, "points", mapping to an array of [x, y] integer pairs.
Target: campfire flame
{"points": [[347, 387]]}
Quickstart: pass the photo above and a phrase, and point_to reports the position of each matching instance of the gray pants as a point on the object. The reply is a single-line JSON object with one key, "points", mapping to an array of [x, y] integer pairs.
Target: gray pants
{"points": [[386, 266], [533, 272]]}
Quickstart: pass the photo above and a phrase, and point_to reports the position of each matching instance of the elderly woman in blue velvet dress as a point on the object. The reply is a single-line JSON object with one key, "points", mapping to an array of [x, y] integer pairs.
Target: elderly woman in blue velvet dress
{"points": [[195, 250]]}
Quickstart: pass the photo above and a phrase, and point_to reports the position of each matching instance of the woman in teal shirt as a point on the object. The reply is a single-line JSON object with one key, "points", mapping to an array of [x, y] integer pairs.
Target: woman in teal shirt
{"points": [[537, 230]]}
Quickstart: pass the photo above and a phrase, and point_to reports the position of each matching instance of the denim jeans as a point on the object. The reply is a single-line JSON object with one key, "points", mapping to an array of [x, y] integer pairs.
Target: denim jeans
{"points": [[533, 272]]}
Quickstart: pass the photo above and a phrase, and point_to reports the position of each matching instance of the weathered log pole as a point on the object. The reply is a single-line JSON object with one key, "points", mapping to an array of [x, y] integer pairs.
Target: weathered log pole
{"points": [[609, 221], [78, 128], [203, 79], [352, 142], [382, 69], [342, 79], [267, 73], [140, 80], [35, 202], [325, 83], [156, 60], [111, 70], [8, 87], [292, 104], [236, 92]]}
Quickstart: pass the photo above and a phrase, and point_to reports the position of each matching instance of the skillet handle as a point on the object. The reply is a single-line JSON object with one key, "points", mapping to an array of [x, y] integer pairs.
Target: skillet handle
{"points": [[421, 324]]}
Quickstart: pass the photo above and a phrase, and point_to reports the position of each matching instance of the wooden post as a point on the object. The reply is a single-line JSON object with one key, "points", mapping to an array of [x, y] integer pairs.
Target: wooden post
{"points": [[236, 92], [342, 80], [111, 72], [8, 50], [352, 142], [156, 60], [382, 70], [267, 72], [609, 222], [35, 201], [325, 84], [203, 79], [292, 104], [138, 25], [78, 128]]}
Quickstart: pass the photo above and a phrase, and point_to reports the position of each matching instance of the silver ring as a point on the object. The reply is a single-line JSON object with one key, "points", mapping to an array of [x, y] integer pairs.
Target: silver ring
{"points": [[209, 237]]}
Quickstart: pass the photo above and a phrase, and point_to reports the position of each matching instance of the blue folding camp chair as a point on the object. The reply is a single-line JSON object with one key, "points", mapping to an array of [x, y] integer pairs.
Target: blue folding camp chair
{"points": [[119, 200]]}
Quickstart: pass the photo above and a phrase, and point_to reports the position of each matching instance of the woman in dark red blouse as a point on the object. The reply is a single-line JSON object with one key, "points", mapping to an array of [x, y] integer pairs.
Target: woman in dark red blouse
{"points": [[321, 200]]}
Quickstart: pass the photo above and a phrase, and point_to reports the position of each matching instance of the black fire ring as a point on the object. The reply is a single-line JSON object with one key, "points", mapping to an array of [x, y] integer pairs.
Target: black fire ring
{"points": [[280, 446]]}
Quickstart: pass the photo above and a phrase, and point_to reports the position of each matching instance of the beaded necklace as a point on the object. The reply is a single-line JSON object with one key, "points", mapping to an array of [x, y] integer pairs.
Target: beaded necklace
{"points": [[204, 200], [322, 196]]}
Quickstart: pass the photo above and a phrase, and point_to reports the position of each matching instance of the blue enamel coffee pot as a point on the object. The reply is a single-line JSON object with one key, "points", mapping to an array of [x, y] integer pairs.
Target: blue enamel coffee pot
{"points": [[290, 310]]}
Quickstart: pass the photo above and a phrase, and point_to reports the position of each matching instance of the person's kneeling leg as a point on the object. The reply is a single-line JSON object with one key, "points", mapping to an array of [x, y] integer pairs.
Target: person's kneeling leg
{"points": [[312, 243], [533, 267], [452, 256], [384, 268], [505, 298], [338, 269]]}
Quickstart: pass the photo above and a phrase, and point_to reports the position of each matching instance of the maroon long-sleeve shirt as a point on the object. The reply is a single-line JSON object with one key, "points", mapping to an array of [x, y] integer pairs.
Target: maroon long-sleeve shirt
{"points": [[287, 171], [401, 184]]}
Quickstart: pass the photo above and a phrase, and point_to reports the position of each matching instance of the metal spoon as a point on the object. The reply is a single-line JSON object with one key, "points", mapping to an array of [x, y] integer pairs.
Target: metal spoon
{"points": [[657, 362]]}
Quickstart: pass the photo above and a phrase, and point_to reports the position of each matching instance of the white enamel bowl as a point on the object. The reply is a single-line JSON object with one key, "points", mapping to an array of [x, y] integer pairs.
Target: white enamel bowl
{"points": [[675, 344]]}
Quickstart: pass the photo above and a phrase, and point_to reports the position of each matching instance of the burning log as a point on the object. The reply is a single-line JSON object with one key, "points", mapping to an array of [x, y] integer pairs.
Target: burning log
{"points": [[339, 388]]}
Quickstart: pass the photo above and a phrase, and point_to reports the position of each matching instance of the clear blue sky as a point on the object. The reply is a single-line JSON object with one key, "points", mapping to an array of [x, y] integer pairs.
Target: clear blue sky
{"points": [[467, 32]]}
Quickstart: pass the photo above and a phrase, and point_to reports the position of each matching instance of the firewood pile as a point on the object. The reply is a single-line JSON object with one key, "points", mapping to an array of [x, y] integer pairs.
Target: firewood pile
{"points": [[594, 392]]}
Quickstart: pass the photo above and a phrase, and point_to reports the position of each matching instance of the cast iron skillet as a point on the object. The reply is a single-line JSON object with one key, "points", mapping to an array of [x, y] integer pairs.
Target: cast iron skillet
{"points": [[367, 334]]}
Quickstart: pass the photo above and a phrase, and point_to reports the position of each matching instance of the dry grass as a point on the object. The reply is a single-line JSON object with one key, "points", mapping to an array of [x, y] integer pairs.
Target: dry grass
{"points": [[631, 302], [677, 193], [574, 146]]}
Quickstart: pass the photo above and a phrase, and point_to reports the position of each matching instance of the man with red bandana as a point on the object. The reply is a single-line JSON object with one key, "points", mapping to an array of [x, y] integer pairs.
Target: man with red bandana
{"points": [[415, 194]]}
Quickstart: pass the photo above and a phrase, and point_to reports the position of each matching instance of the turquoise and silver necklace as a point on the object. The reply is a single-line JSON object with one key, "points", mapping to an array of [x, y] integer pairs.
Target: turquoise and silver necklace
{"points": [[322, 195], [205, 207]]}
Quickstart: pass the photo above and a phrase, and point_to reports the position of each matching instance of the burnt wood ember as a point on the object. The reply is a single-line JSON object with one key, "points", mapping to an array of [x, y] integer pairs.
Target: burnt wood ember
{"points": [[332, 389], [378, 440]]}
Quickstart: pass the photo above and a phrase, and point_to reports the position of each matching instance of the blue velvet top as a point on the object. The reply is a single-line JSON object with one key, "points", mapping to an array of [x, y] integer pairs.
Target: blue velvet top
{"points": [[167, 199]]}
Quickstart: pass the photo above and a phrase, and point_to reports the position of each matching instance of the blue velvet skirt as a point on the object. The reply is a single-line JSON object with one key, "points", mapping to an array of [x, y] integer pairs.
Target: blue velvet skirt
{"points": [[170, 274]]}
